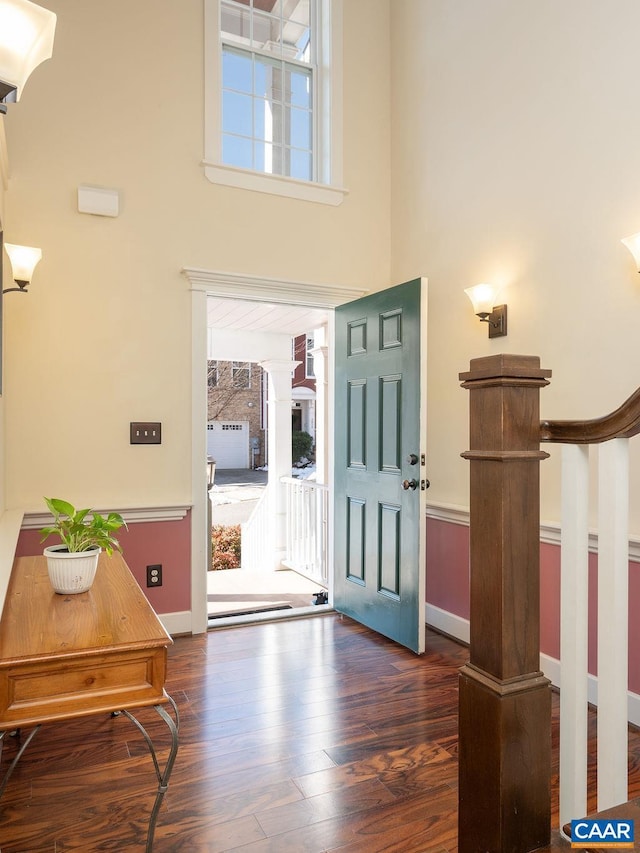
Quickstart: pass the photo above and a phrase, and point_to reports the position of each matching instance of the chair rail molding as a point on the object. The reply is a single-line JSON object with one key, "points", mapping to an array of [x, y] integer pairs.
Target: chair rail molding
{"points": [[549, 530], [36, 520]]}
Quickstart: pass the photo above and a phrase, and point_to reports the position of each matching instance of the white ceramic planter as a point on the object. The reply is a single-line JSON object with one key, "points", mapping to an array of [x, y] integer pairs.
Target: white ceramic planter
{"points": [[71, 573]]}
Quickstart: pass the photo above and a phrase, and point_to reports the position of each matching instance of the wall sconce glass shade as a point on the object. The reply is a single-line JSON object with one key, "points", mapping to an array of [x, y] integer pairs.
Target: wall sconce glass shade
{"points": [[23, 262], [26, 40], [633, 245], [483, 297]]}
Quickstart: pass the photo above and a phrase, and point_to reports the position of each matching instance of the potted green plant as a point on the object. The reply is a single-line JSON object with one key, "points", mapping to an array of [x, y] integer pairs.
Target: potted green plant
{"points": [[83, 534]]}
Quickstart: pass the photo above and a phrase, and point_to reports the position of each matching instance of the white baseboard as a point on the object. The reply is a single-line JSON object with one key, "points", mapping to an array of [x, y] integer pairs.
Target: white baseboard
{"points": [[458, 628], [552, 669], [448, 623], [634, 708], [176, 623]]}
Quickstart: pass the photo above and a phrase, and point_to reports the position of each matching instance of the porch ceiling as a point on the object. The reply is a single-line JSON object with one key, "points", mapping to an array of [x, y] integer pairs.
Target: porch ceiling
{"points": [[249, 316]]}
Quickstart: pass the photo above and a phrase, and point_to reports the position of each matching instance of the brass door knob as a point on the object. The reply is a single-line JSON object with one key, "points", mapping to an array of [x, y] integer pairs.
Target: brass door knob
{"points": [[409, 484]]}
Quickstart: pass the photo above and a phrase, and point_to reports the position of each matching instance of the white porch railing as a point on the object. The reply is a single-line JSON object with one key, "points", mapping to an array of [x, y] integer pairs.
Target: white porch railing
{"points": [[257, 535], [307, 520]]}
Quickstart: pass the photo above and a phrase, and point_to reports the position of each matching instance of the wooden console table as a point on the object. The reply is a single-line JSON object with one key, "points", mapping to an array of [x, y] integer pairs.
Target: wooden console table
{"points": [[66, 656]]}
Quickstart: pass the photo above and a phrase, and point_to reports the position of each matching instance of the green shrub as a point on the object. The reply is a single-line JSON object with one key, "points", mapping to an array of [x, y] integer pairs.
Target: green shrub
{"points": [[301, 444], [225, 546]]}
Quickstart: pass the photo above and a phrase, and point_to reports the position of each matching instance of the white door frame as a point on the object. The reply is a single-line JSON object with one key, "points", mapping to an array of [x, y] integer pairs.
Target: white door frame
{"points": [[242, 287]]}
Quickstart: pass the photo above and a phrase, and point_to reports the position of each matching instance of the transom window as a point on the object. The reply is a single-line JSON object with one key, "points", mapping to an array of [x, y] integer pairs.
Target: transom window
{"points": [[268, 75], [273, 97]]}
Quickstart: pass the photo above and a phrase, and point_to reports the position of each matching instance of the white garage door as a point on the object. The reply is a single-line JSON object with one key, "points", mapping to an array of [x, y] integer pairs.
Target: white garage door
{"points": [[228, 443]]}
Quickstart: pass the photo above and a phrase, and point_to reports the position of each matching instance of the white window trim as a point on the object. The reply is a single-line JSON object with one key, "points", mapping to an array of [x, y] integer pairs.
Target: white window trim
{"points": [[308, 357], [239, 368], [329, 96], [213, 368]]}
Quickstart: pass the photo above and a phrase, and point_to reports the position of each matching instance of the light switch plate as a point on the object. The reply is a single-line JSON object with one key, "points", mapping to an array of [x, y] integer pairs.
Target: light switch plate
{"points": [[145, 432]]}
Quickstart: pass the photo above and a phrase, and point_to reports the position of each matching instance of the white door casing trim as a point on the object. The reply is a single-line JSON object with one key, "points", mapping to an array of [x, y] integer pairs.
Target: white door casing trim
{"points": [[253, 288], [242, 287]]}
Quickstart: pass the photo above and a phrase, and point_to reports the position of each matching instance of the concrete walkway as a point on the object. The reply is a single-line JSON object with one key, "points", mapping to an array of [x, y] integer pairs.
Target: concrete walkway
{"points": [[235, 493]]}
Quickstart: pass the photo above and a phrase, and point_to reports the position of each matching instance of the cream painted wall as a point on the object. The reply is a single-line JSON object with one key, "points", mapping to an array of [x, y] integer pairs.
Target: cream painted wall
{"points": [[105, 334], [6, 272], [515, 159]]}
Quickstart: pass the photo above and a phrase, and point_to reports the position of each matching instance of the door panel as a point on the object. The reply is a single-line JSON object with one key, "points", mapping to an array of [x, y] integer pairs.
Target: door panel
{"points": [[356, 431], [379, 569]]}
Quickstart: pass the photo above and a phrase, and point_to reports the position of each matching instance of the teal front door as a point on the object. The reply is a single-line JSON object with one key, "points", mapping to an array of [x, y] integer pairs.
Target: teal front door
{"points": [[380, 475]]}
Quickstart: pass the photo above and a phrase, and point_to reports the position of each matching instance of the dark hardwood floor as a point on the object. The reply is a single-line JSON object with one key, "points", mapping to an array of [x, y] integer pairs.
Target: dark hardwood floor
{"points": [[299, 736]]}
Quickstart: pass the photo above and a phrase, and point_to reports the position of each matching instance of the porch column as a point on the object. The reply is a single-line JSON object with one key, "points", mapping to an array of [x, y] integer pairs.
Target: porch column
{"points": [[279, 373], [505, 701], [320, 354]]}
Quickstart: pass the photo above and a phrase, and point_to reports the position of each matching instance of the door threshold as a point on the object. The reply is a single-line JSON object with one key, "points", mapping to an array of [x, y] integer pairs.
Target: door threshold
{"points": [[250, 611], [269, 616]]}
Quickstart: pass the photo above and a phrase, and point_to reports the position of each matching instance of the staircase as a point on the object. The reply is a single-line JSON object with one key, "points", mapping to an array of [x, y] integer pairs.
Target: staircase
{"points": [[504, 790]]}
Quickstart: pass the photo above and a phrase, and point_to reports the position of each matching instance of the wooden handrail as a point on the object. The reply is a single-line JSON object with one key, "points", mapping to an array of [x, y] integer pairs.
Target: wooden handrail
{"points": [[623, 423]]}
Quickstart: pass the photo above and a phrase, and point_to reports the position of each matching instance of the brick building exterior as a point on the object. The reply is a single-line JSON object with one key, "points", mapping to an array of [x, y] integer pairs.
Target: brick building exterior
{"points": [[237, 412], [236, 395]]}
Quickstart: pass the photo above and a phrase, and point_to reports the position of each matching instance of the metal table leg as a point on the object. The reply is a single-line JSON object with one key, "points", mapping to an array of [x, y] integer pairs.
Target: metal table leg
{"points": [[161, 774], [17, 757]]}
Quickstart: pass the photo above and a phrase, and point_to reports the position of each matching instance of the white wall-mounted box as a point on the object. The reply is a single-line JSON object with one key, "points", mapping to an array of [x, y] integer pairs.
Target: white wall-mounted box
{"points": [[98, 200]]}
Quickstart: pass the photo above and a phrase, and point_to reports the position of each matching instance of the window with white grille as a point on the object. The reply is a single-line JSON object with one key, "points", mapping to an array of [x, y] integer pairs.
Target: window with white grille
{"points": [[213, 374], [309, 372], [241, 374], [268, 81], [273, 96]]}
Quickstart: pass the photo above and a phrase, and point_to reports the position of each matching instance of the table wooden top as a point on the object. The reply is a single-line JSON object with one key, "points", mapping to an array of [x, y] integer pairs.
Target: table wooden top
{"points": [[39, 623]]}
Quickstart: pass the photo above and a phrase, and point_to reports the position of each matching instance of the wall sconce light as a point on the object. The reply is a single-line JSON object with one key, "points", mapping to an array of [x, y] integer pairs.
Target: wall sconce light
{"points": [[26, 40], [633, 245], [23, 262], [482, 297]]}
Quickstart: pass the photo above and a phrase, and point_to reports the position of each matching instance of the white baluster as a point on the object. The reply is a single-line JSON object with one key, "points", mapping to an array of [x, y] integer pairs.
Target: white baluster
{"points": [[574, 632], [306, 544], [613, 585]]}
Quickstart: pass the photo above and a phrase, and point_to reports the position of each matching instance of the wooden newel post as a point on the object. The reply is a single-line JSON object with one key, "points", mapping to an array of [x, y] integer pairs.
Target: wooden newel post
{"points": [[505, 700]]}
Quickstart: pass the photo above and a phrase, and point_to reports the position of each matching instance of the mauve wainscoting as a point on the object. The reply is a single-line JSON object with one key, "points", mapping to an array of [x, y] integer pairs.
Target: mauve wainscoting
{"points": [[144, 544], [448, 591]]}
